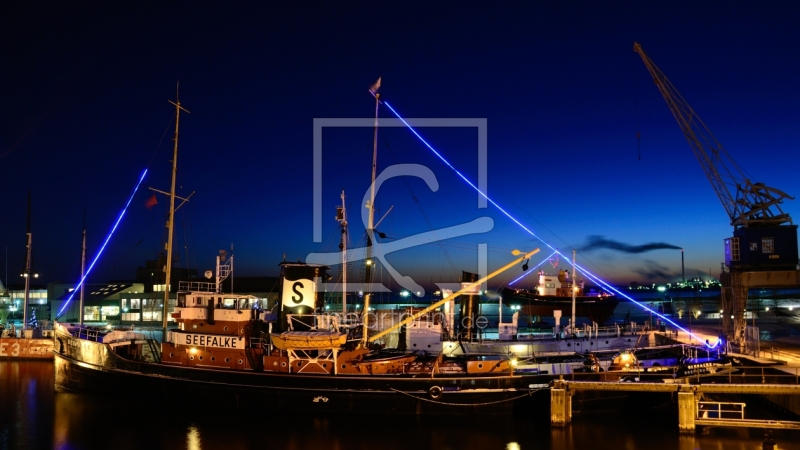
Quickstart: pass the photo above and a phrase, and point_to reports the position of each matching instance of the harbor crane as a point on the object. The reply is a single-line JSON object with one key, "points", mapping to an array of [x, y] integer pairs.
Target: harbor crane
{"points": [[763, 249]]}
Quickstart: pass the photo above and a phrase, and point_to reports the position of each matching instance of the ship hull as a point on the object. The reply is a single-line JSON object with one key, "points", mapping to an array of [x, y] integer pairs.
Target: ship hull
{"points": [[25, 348], [89, 367], [596, 309]]}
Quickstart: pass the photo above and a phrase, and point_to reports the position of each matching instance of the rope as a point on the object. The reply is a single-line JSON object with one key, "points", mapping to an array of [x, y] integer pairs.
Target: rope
{"points": [[529, 393]]}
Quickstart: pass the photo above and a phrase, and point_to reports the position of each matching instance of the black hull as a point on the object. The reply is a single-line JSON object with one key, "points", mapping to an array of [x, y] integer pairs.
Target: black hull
{"points": [[89, 367], [596, 309]]}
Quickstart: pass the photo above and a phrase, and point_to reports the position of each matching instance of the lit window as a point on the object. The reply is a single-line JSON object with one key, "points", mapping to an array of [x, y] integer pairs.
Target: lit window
{"points": [[767, 245]]}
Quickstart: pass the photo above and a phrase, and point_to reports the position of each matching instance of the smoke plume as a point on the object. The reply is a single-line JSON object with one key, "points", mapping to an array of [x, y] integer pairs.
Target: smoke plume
{"points": [[599, 242]]}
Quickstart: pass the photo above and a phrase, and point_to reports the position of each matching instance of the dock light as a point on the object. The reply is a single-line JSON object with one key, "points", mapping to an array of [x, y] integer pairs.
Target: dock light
{"points": [[404, 294], [767, 308], [790, 307], [513, 362], [369, 262], [720, 311], [193, 350], [108, 327]]}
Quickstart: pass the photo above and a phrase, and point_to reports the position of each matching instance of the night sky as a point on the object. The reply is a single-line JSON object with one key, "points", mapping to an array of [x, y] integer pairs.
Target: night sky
{"points": [[84, 90]]}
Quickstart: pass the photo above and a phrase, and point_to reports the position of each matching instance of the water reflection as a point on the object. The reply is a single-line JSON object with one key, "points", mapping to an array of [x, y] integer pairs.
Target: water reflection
{"points": [[193, 439], [32, 416]]}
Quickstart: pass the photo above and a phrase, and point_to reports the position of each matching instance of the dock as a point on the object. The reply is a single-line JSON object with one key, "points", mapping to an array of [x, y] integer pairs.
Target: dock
{"points": [[690, 405]]}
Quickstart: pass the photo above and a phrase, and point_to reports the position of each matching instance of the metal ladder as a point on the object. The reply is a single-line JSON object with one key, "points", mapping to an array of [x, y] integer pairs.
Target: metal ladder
{"points": [[155, 351]]}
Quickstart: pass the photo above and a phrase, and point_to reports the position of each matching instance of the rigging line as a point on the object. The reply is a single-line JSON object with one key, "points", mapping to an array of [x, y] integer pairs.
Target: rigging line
{"points": [[100, 252], [529, 231], [523, 211], [422, 211], [149, 164], [532, 270], [636, 107]]}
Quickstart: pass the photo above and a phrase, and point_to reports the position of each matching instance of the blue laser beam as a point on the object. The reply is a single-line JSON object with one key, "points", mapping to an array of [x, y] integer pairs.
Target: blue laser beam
{"points": [[100, 252], [530, 271], [529, 231]]}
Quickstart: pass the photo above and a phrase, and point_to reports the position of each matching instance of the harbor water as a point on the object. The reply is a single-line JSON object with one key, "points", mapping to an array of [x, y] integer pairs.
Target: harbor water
{"points": [[33, 416]]}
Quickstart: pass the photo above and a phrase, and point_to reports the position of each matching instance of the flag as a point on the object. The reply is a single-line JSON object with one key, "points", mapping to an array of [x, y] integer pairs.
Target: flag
{"points": [[152, 201], [376, 86]]}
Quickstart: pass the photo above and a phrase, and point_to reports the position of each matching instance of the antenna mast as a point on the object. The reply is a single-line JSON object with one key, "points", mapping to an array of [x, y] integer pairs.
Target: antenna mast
{"points": [[27, 273], [83, 271], [371, 222], [170, 221], [341, 216]]}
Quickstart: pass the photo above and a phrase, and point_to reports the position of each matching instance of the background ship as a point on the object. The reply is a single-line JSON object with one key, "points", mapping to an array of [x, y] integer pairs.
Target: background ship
{"points": [[554, 293]]}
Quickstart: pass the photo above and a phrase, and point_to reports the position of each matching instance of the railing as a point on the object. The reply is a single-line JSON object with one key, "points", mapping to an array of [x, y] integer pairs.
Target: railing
{"points": [[720, 410], [777, 354], [197, 286], [321, 321], [89, 333], [257, 342]]}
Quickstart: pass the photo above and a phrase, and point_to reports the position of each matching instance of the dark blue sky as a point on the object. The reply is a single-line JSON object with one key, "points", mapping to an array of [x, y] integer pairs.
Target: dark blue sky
{"points": [[84, 92]]}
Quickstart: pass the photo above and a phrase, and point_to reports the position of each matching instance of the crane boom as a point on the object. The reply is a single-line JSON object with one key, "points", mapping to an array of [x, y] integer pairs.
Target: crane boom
{"points": [[747, 204]]}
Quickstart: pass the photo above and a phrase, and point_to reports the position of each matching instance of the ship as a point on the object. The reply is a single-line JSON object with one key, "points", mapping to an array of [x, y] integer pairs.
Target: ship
{"points": [[555, 293], [227, 350]]}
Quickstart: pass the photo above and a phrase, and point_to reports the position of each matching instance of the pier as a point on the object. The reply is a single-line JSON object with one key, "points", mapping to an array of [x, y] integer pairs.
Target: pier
{"points": [[690, 413]]}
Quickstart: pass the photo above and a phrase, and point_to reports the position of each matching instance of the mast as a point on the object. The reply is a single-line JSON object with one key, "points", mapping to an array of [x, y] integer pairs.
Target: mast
{"points": [[371, 220], [83, 271], [170, 221], [341, 216], [574, 286], [27, 273]]}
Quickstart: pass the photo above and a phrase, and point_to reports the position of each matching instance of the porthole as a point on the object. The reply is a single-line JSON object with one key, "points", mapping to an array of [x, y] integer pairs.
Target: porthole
{"points": [[344, 366], [629, 340], [577, 343], [171, 355], [201, 358], [226, 328], [480, 366], [569, 345], [429, 345], [191, 358], [240, 361], [606, 342], [324, 365], [283, 364], [213, 359], [227, 360], [299, 363]]}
